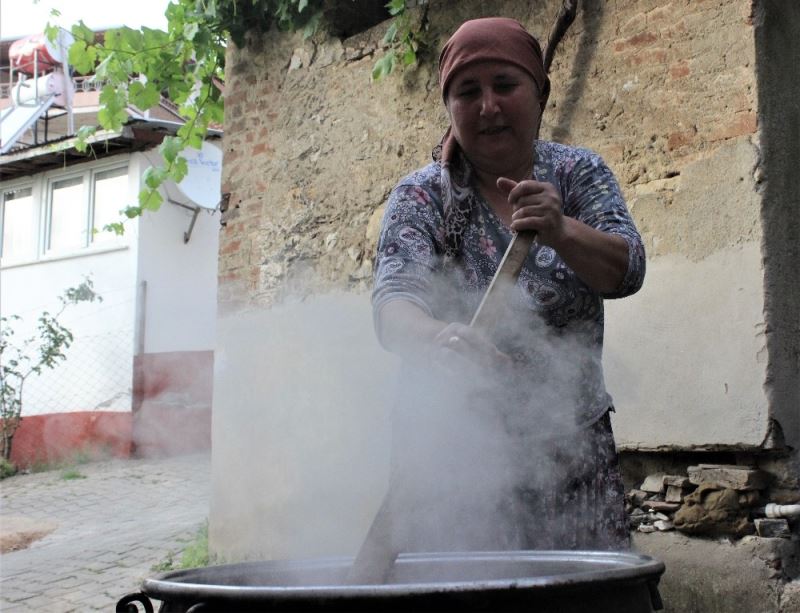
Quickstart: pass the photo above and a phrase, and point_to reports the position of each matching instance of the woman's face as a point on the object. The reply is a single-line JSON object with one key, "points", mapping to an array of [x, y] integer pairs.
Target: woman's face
{"points": [[494, 115]]}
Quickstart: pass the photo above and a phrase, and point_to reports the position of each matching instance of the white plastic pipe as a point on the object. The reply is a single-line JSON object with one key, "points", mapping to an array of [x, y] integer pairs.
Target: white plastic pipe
{"points": [[786, 511]]}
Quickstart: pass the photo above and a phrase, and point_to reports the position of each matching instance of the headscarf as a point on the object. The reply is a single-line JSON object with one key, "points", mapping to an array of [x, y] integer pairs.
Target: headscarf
{"points": [[479, 40]]}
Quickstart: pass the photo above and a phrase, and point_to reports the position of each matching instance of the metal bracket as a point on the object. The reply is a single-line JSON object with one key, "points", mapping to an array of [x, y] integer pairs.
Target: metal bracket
{"points": [[195, 212], [188, 234]]}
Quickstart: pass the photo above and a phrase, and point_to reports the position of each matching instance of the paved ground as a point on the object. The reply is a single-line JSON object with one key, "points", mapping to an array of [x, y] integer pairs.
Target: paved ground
{"points": [[111, 528]]}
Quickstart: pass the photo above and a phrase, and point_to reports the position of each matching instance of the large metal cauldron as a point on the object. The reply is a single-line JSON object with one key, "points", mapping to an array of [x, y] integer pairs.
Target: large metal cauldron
{"points": [[531, 581]]}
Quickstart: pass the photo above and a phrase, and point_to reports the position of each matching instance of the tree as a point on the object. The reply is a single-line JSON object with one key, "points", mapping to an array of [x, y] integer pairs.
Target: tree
{"points": [[44, 350], [187, 63]]}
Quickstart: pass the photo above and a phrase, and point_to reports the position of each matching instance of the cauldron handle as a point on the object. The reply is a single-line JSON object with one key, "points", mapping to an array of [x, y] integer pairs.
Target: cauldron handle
{"points": [[125, 604]]}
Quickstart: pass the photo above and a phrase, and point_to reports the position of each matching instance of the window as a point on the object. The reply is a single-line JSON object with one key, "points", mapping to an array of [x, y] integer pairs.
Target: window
{"points": [[79, 208], [67, 215], [110, 193], [20, 225], [62, 213]]}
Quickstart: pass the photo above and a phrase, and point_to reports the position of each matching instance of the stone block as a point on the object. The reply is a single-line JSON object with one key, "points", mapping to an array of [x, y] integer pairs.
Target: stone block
{"points": [[661, 506], [676, 481], [790, 599], [637, 518], [653, 484], [773, 528], [729, 476], [674, 493], [637, 497]]}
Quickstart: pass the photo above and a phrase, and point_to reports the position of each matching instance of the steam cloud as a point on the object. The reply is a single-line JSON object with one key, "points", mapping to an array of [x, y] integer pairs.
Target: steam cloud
{"points": [[312, 422]]}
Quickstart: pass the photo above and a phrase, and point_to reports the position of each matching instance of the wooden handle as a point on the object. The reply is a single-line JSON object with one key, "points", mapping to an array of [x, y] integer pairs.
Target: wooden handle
{"points": [[495, 300], [375, 559]]}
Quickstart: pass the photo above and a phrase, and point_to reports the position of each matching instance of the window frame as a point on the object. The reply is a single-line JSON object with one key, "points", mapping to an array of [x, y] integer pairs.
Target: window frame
{"points": [[47, 249], [35, 187], [42, 185]]}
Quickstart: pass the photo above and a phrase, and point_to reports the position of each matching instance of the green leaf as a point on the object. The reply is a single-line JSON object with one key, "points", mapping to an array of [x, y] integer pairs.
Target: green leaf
{"points": [[311, 27], [129, 39], [302, 4], [216, 112], [150, 199], [83, 33], [154, 176], [81, 57], [51, 32], [101, 72], [112, 119], [154, 38], [410, 56], [179, 169], [193, 133], [391, 34], [396, 6], [383, 66], [170, 148], [84, 133], [133, 211], [116, 227], [143, 96]]}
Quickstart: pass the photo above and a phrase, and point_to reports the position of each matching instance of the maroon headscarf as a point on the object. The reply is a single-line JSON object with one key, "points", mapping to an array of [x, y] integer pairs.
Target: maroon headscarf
{"points": [[480, 40], [493, 39]]}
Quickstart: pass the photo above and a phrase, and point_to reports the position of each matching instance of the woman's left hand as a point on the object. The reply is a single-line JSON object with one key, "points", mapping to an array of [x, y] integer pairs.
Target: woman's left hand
{"points": [[600, 259], [538, 207]]}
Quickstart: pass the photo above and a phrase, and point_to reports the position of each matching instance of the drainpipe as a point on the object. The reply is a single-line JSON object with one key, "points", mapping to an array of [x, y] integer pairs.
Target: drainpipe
{"points": [[138, 359], [781, 511]]}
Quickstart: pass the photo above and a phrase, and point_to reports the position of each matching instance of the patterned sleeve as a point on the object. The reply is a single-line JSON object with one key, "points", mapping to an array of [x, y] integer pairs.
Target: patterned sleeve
{"points": [[410, 241], [594, 197]]}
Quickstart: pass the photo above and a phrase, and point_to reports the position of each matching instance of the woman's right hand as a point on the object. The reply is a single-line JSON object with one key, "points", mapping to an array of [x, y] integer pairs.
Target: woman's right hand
{"points": [[405, 329], [463, 350]]}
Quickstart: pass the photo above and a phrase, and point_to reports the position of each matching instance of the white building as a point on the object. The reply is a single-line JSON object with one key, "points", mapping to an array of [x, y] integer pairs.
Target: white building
{"points": [[138, 374]]}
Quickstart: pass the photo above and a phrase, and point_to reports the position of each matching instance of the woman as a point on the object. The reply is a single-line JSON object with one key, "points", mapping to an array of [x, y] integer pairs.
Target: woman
{"points": [[538, 379]]}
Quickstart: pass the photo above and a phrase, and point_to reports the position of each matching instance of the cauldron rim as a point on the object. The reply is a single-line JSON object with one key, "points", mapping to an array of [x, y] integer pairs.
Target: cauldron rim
{"points": [[612, 567]]}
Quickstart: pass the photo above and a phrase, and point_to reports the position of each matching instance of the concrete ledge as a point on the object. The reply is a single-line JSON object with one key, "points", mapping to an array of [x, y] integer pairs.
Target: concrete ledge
{"points": [[722, 576]]}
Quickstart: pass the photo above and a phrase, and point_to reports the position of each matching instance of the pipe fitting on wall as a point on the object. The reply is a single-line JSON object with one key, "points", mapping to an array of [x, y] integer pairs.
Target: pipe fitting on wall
{"points": [[785, 511]]}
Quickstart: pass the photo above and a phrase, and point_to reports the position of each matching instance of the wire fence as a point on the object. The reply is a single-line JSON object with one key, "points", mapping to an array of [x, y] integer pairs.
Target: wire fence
{"points": [[96, 375]]}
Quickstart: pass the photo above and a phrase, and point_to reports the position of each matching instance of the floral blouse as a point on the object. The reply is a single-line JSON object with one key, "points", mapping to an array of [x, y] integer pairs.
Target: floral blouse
{"points": [[559, 312]]}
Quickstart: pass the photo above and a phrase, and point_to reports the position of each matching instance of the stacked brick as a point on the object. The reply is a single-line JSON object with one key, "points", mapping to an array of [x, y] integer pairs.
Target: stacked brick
{"points": [[710, 500]]}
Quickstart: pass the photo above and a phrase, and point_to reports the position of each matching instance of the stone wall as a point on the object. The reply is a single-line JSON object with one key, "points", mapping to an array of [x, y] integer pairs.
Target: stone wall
{"points": [[665, 91], [312, 147]]}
